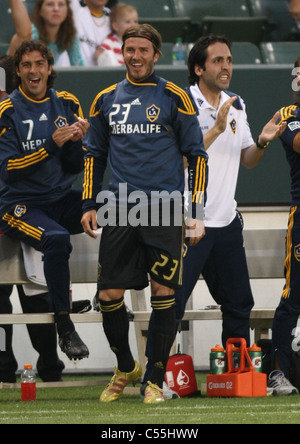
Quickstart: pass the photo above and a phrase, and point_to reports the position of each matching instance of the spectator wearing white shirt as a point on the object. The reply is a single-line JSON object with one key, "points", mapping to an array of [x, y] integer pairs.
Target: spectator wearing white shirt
{"points": [[93, 26]]}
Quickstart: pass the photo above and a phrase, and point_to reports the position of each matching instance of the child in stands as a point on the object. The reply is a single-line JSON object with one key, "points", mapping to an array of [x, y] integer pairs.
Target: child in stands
{"points": [[122, 16]]}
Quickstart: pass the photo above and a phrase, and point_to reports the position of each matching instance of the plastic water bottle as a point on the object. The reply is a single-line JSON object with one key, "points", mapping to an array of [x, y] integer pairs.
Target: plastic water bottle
{"points": [[256, 356], [218, 363], [28, 384], [179, 53]]}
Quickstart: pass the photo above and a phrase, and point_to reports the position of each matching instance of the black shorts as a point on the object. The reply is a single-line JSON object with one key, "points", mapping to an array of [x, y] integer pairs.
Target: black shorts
{"points": [[128, 254]]}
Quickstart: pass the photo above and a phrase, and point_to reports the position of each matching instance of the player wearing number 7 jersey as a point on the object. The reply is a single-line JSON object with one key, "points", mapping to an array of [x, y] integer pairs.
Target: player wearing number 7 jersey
{"points": [[41, 153], [145, 125]]}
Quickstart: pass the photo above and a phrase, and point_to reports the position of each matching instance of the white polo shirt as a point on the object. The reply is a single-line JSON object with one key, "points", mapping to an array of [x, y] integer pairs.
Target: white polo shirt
{"points": [[91, 30], [224, 157]]}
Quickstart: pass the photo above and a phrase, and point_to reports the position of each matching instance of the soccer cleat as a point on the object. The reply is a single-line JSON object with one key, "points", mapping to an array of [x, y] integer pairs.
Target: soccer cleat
{"points": [[167, 392], [119, 381], [81, 306], [73, 347], [153, 394], [95, 303], [279, 385]]}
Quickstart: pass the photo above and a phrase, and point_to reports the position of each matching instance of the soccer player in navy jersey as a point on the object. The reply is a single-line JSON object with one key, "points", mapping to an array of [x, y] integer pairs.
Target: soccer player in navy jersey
{"points": [[41, 154], [285, 337], [145, 125]]}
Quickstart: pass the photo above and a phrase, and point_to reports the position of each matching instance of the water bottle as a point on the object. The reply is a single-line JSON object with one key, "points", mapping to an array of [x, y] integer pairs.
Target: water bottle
{"points": [[256, 356], [179, 53], [218, 363], [28, 384]]}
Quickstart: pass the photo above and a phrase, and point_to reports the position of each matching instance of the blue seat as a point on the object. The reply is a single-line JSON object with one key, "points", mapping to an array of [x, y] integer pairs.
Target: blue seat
{"points": [[197, 9], [283, 26], [237, 29], [167, 57], [3, 49], [153, 8], [246, 53], [280, 52], [7, 27], [170, 28]]}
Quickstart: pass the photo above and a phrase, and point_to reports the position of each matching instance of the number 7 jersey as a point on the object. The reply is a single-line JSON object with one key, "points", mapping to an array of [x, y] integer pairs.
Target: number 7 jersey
{"points": [[33, 169]]}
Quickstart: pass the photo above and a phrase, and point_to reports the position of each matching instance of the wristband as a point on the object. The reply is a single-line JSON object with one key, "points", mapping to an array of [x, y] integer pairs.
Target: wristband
{"points": [[261, 147]]}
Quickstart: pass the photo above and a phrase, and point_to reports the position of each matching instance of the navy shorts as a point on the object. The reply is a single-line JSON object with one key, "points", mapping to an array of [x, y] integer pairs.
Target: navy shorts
{"points": [[30, 223], [128, 254]]}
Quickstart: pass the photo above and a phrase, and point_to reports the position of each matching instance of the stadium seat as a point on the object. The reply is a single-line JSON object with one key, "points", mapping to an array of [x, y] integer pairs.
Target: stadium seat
{"points": [[282, 25], [161, 15], [7, 27], [3, 49], [169, 28], [231, 17], [238, 29], [280, 52], [153, 8], [166, 58], [245, 53], [197, 9]]}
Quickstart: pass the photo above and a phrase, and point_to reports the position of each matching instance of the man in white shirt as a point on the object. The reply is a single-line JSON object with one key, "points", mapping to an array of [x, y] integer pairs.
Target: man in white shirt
{"points": [[220, 255], [93, 26]]}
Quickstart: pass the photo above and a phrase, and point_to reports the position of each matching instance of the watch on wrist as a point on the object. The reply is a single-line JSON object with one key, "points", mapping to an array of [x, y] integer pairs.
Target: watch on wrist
{"points": [[260, 146]]}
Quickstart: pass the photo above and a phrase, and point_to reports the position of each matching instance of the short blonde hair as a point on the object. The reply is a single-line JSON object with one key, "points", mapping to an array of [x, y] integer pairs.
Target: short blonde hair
{"points": [[119, 9]]}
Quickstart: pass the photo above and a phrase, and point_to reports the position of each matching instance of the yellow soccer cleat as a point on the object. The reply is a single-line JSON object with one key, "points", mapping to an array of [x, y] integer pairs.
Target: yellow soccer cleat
{"points": [[153, 394], [119, 381]]}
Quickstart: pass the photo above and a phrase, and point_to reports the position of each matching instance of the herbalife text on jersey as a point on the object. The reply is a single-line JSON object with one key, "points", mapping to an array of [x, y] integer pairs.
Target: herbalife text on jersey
{"points": [[137, 208]]}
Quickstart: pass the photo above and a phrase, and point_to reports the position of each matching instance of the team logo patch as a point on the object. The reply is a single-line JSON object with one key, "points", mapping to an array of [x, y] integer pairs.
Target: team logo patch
{"points": [[152, 113], [60, 122], [297, 252], [293, 126], [233, 126], [20, 210]]}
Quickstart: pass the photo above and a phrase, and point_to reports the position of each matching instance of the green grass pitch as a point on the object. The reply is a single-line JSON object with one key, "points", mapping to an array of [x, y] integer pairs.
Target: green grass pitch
{"points": [[80, 405]]}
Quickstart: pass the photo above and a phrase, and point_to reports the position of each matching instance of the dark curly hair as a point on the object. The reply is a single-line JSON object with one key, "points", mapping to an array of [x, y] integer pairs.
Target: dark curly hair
{"points": [[36, 45], [198, 54]]}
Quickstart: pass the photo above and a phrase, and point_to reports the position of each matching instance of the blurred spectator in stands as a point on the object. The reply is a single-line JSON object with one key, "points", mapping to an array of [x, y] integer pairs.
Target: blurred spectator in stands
{"points": [[93, 26], [295, 9], [53, 23], [122, 16]]}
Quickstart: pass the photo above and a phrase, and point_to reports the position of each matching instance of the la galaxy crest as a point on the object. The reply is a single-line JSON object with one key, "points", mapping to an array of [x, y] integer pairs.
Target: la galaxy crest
{"points": [[297, 252], [60, 122], [20, 210], [233, 126], [152, 113]]}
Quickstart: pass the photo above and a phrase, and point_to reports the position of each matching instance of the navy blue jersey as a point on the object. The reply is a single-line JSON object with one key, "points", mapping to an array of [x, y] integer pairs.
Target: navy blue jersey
{"points": [[291, 115], [144, 129], [33, 169]]}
